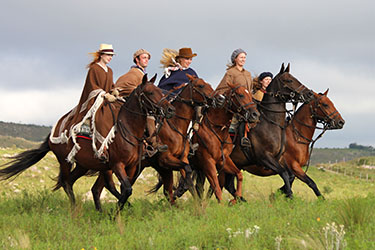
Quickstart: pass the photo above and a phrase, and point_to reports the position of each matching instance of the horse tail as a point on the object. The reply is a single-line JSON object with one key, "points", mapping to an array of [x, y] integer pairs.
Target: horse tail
{"points": [[157, 186], [24, 160]]}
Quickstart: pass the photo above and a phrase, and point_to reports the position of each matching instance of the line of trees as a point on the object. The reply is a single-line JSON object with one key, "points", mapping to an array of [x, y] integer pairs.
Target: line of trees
{"points": [[361, 147]]}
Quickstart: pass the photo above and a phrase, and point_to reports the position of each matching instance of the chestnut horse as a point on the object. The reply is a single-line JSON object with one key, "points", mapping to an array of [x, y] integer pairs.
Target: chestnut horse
{"points": [[215, 144], [124, 151], [174, 133], [299, 134]]}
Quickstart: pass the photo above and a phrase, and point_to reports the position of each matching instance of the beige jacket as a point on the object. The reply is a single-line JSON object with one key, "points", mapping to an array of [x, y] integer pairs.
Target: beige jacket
{"points": [[129, 81], [235, 76]]}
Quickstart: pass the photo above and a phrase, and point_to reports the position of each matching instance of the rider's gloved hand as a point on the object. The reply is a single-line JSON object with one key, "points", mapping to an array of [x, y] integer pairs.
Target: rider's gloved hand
{"points": [[109, 97], [115, 92]]}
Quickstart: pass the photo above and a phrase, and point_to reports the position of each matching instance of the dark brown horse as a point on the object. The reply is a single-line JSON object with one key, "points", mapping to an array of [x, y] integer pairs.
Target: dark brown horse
{"points": [[215, 144], [124, 152], [299, 134], [174, 133]]}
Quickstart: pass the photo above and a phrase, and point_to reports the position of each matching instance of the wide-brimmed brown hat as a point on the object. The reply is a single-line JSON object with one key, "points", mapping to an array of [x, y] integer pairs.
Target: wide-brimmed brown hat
{"points": [[186, 53]]}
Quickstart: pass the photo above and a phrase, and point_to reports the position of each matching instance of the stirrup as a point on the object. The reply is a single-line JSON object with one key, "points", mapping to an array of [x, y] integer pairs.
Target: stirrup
{"points": [[151, 151], [245, 142]]}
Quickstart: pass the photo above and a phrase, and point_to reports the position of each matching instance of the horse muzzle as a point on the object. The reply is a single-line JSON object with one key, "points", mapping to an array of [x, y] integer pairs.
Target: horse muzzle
{"points": [[252, 116], [337, 124], [308, 96]]}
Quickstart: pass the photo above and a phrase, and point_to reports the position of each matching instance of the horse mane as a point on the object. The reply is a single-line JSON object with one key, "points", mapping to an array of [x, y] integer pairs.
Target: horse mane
{"points": [[168, 58]]}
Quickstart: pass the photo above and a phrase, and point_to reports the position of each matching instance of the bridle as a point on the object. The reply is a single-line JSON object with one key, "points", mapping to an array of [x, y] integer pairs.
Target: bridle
{"points": [[285, 93], [242, 110], [328, 119], [147, 107], [193, 89]]}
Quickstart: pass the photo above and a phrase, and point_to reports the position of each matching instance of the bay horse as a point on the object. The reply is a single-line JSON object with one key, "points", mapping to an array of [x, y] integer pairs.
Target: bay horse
{"points": [[299, 135], [267, 138], [215, 144], [124, 151], [173, 133]]}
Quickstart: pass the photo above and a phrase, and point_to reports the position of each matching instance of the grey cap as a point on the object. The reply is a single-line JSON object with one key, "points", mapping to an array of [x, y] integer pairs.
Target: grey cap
{"points": [[236, 53]]}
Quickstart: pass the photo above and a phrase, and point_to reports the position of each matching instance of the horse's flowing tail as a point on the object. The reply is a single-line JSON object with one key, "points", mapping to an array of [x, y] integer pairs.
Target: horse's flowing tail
{"points": [[157, 186], [24, 160]]}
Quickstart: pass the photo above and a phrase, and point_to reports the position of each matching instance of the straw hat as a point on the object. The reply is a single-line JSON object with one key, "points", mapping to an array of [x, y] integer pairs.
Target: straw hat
{"points": [[186, 53], [106, 49], [140, 52]]}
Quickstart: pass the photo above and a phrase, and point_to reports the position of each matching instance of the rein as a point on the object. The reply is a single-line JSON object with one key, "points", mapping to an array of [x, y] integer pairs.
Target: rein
{"points": [[148, 107], [324, 120]]}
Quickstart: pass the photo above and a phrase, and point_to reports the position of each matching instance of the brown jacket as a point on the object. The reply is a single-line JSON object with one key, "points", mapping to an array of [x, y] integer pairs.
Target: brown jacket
{"points": [[129, 81], [97, 79], [98, 82], [235, 76]]}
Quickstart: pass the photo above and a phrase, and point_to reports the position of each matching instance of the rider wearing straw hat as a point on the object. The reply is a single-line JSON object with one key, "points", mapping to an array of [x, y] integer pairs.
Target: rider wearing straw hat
{"points": [[92, 110], [128, 82]]}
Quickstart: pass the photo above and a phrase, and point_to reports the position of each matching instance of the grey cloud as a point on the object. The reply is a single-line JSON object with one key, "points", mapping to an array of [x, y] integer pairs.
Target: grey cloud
{"points": [[46, 43]]}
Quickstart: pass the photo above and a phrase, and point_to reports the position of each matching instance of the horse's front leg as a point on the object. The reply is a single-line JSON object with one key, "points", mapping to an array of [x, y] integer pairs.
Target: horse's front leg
{"points": [[105, 179], [298, 171], [208, 166], [231, 168], [126, 187]]}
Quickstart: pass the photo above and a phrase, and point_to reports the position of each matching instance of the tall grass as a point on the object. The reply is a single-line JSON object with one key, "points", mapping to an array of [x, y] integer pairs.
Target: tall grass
{"points": [[45, 220], [33, 217]]}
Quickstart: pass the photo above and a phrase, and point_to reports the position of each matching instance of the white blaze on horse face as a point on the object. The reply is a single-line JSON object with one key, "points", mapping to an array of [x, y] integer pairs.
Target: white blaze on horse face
{"points": [[247, 91]]}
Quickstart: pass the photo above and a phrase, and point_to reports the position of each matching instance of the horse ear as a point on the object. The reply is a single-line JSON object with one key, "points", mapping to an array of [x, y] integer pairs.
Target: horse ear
{"points": [[282, 69], [325, 93], [191, 78], [144, 79], [287, 68], [153, 79]]}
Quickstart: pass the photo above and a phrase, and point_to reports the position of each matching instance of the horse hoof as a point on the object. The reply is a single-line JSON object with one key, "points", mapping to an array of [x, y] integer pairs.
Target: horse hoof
{"points": [[232, 202], [242, 199]]}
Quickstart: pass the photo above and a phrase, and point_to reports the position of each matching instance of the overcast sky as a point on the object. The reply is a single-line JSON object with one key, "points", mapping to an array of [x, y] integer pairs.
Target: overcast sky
{"points": [[330, 44]]}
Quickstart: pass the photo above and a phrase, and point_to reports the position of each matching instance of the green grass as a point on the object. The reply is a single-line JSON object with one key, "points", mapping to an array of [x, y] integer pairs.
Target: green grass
{"points": [[33, 217]]}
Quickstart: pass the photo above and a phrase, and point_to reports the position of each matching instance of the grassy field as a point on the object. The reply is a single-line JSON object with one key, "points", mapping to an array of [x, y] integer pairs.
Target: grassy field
{"points": [[34, 217]]}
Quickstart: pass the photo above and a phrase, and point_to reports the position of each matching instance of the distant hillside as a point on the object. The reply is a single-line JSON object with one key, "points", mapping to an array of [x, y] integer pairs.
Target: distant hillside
{"points": [[333, 155], [16, 142], [27, 131]]}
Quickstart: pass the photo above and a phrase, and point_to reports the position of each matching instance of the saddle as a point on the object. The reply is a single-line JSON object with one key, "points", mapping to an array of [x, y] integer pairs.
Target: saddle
{"points": [[85, 131]]}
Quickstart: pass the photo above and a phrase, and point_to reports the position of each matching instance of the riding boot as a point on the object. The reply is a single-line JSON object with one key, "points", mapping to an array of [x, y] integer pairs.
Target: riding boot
{"points": [[151, 140], [245, 142]]}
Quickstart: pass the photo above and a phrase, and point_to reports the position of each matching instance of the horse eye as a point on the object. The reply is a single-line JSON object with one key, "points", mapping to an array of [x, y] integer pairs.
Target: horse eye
{"points": [[149, 93], [201, 86], [241, 95], [325, 105]]}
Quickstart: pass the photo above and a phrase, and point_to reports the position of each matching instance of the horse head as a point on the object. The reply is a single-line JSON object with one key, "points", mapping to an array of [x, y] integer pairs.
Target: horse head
{"points": [[240, 101], [197, 92], [288, 88], [324, 111], [152, 100]]}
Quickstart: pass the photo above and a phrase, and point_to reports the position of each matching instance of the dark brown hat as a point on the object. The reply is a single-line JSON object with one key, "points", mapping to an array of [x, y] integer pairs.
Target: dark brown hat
{"points": [[186, 53]]}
